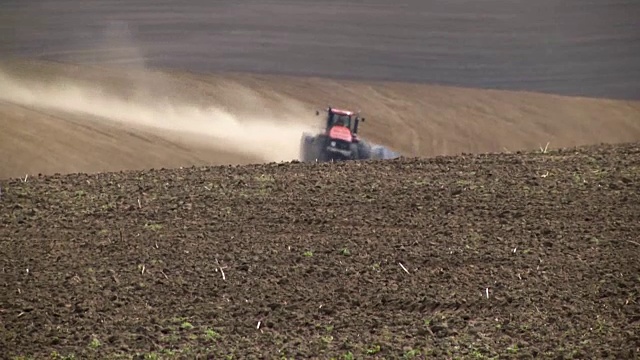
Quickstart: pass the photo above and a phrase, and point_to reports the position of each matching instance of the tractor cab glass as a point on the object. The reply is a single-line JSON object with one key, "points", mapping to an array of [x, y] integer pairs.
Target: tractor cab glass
{"points": [[338, 119]]}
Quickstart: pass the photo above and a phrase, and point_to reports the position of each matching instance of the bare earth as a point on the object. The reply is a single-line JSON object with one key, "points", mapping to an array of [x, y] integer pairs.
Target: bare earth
{"points": [[506, 256]]}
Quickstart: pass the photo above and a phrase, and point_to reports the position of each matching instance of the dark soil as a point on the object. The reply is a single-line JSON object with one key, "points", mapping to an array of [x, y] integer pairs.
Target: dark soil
{"points": [[514, 255]]}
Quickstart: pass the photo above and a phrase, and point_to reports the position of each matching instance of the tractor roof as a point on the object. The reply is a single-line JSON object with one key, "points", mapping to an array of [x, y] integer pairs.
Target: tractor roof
{"points": [[342, 112]]}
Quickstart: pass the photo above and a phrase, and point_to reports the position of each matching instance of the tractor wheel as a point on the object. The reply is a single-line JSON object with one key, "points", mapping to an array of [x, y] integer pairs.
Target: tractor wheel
{"points": [[355, 151], [307, 148], [364, 151]]}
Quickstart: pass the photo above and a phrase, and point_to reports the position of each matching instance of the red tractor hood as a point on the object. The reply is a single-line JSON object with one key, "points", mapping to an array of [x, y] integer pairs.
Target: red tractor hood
{"points": [[340, 133]]}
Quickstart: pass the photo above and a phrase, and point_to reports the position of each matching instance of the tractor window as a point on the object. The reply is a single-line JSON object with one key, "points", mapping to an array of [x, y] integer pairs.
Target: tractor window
{"points": [[343, 119]]}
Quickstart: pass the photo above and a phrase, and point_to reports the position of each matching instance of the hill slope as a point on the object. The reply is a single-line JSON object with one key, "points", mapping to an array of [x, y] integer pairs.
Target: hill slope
{"points": [[576, 47], [79, 118]]}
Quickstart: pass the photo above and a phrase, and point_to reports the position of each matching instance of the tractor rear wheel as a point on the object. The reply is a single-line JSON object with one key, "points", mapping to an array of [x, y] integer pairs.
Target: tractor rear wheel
{"points": [[354, 151], [307, 148], [364, 150]]}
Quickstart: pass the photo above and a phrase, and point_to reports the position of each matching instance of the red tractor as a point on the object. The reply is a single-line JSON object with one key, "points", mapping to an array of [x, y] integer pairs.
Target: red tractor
{"points": [[338, 142]]}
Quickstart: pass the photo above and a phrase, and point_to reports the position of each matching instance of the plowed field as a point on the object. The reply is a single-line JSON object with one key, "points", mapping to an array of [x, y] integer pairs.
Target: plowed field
{"points": [[512, 255]]}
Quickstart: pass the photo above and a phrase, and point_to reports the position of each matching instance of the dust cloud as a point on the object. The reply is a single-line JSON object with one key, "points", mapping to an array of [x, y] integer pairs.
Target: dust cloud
{"points": [[267, 136], [269, 139]]}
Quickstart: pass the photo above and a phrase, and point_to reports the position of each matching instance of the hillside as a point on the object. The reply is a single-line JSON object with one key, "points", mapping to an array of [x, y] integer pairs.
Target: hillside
{"points": [[79, 118], [510, 255]]}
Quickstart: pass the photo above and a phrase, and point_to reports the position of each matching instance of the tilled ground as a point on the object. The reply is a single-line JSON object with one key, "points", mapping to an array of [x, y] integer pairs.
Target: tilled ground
{"points": [[465, 257]]}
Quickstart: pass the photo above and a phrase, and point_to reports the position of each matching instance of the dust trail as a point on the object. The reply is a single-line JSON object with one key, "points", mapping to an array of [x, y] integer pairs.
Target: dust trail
{"points": [[266, 138], [149, 98]]}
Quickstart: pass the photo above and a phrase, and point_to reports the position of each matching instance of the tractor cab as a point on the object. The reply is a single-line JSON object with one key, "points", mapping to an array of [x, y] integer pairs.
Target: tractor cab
{"points": [[338, 119], [341, 119]]}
